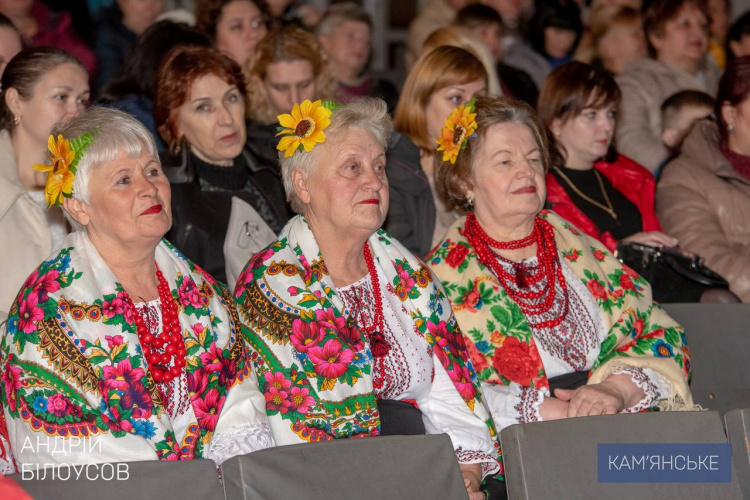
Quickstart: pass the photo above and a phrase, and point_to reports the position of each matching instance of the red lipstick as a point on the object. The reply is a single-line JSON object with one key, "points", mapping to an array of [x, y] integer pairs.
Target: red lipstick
{"points": [[156, 209], [525, 190], [371, 201]]}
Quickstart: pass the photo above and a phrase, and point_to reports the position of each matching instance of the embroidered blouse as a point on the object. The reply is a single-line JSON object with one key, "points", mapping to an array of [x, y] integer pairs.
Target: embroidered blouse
{"points": [[410, 371]]}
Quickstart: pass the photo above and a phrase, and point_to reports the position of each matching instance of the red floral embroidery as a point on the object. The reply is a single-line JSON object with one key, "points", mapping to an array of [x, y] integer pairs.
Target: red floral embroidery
{"points": [[516, 361], [596, 289], [456, 256]]}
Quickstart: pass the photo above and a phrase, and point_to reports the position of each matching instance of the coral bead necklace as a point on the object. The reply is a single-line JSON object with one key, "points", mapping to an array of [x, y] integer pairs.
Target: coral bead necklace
{"points": [[532, 303], [159, 350], [378, 344]]}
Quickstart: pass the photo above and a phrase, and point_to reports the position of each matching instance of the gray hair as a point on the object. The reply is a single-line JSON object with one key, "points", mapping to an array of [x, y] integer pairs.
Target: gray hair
{"points": [[113, 132], [369, 114], [340, 13]]}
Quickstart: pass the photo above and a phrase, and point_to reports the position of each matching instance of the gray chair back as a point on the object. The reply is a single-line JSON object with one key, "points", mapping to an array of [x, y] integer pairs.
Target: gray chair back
{"points": [[165, 480], [719, 341], [559, 459], [738, 432], [389, 467]]}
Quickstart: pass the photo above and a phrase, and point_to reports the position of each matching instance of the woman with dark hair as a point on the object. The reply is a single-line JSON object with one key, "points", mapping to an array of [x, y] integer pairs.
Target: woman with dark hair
{"points": [[677, 36], [555, 29], [236, 26], [133, 90], [738, 38], [200, 113], [704, 194], [440, 80], [41, 86]]}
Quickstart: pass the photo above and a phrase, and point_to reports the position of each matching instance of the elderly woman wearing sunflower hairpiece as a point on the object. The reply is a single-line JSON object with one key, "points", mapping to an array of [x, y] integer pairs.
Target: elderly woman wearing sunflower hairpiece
{"points": [[350, 334], [118, 336], [556, 327]]}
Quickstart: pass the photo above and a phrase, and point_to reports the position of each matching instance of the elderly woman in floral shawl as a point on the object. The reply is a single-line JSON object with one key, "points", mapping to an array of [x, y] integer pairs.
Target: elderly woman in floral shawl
{"points": [[556, 327], [118, 340], [350, 334]]}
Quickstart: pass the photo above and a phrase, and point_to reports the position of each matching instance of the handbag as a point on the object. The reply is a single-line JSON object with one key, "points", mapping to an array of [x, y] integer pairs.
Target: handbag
{"points": [[673, 277], [247, 235]]}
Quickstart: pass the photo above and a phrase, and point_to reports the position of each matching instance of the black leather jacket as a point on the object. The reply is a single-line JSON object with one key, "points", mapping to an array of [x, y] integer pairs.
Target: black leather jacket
{"points": [[200, 215]]}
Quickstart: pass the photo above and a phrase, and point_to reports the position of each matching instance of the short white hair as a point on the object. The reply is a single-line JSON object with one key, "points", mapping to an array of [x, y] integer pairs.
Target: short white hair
{"points": [[369, 114], [114, 132]]}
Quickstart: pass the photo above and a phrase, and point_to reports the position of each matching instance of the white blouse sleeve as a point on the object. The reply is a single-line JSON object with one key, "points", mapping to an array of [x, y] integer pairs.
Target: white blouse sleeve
{"points": [[513, 404], [444, 411]]}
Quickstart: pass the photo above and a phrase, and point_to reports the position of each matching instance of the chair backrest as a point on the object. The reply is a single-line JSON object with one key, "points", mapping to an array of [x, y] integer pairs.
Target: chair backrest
{"points": [[717, 335], [379, 468], [164, 480], [738, 432], [559, 459]]}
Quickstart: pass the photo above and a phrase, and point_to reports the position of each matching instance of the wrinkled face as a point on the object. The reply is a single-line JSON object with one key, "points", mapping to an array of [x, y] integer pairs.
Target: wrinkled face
{"points": [[61, 94], [239, 30], [443, 101], [348, 45], [10, 45], [129, 201], [507, 179], [685, 37], [586, 137], [138, 15], [288, 83], [347, 192], [558, 42], [212, 120], [492, 37]]}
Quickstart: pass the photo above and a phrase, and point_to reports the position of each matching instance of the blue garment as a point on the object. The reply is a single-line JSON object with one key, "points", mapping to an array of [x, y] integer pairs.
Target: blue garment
{"points": [[558, 61], [142, 108]]}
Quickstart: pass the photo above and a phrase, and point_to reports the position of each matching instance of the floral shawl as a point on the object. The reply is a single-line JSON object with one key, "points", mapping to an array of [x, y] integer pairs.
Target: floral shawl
{"points": [[72, 364], [314, 364], [501, 344]]}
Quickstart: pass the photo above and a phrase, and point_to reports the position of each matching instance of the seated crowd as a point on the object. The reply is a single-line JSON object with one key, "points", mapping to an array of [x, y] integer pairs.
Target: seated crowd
{"points": [[224, 233]]}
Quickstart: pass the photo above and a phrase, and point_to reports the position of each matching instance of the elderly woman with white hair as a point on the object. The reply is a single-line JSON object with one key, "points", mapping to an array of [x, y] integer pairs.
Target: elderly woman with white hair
{"points": [[118, 337], [350, 334]]}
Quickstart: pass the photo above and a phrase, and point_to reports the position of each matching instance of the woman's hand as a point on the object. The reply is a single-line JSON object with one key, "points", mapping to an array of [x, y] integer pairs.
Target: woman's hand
{"points": [[652, 238], [553, 409], [472, 474], [611, 396]]}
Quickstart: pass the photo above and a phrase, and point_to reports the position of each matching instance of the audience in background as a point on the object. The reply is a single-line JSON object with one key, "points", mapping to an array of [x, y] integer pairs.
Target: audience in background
{"points": [[10, 42], [441, 80], [345, 33], [117, 29], [200, 112], [704, 194], [486, 23], [433, 15], [464, 38], [738, 38], [516, 50], [288, 67], [679, 113], [236, 26], [555, 29], [677, 34], [41, 86], [41, 26], [292, 12], [133, 90], [718, 14], [613, 39]]}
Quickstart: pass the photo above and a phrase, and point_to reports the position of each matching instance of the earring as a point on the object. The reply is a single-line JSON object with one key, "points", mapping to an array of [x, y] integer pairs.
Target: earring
{"points": [[470, 201], [16, 120], [730, 128], [178, 148]]}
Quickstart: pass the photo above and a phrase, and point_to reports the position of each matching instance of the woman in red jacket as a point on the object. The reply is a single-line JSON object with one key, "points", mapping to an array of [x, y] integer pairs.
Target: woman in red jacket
{"points": [[607, 195]]}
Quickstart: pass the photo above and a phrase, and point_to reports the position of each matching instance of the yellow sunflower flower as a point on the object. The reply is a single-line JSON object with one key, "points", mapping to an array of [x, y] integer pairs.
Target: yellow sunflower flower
{"points": [[59, 176], [460, 125], [303, 128]]}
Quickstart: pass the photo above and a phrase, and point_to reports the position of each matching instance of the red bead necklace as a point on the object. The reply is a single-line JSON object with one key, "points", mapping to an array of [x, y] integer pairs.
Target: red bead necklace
{"points": [[378, 344], [549, 269], [159, 350]]}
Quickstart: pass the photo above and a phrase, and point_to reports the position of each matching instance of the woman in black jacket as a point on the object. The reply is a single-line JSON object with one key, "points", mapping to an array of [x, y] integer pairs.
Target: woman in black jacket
{"points": [[199, 111]]}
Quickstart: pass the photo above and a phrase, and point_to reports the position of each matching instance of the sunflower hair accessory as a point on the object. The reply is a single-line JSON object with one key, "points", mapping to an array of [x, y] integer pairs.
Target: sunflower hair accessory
{"points": [[64, 155], [303, 128], [460, 126]]}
